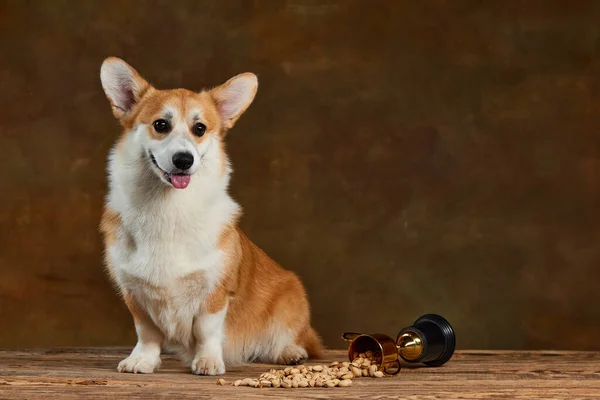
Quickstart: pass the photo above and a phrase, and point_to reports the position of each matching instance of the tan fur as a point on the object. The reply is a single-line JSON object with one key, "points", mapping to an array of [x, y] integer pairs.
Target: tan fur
{"points": [[137, 311], [257, 292], [266, 291]]}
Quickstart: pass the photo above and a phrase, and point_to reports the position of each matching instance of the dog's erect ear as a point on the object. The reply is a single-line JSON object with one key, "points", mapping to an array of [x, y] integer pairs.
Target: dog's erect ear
{"points": [[122, 84], [234, 96]]}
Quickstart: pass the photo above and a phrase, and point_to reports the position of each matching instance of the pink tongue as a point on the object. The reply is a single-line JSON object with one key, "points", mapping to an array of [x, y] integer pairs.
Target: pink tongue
{"points": [[180, 181]]}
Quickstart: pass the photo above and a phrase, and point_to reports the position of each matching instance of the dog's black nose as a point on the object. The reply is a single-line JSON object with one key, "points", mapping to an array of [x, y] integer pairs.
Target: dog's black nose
{"points": [[183, 160]]}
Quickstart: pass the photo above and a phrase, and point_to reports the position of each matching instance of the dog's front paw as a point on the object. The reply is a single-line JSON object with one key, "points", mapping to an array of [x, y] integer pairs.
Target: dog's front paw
{"points": [[208, 366], [292, 355], [139, 364]]}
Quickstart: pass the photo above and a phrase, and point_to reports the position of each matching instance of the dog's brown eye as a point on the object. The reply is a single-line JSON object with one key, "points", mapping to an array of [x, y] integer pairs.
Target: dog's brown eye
{"points": [[161, 126], [199, 128]]}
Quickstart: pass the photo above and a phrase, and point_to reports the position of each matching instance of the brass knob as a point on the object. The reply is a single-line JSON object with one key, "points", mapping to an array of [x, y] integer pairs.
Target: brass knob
{"points": [[410, 346]]}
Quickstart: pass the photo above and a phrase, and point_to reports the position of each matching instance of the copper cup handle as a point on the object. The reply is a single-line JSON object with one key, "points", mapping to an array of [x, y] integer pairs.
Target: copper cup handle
{"points": [[396, 363], [350, 336]]}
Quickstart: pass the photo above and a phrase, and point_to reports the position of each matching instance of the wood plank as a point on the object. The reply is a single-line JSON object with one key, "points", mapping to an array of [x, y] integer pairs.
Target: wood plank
{"points": [[70, 373]]}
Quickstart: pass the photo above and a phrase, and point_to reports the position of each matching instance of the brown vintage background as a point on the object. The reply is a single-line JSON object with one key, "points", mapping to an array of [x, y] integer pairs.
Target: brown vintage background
{"points": [[403, 157]]}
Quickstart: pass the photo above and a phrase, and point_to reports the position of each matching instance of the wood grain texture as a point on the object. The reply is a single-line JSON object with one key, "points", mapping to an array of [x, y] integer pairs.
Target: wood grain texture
{"points": [[70, 373]]}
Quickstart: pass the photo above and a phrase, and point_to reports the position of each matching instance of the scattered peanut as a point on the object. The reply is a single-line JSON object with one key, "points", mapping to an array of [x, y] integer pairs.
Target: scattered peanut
{"points": [[372, 370], [338, 374], [345, 383]]}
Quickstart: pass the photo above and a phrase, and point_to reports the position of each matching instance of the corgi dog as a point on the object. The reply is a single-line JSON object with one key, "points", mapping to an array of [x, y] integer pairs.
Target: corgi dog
{"points": [[192, 280]]}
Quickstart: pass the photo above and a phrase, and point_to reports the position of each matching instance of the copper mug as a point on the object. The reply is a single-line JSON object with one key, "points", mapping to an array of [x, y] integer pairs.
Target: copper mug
{"points": [[430, 340], [383, 346]]}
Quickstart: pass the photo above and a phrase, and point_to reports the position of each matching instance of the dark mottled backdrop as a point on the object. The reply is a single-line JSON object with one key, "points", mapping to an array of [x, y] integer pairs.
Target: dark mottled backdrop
{"points": [[403, 157]]}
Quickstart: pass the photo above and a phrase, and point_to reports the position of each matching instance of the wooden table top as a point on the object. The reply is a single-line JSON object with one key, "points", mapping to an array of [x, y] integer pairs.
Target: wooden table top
{"points": [[69, 373]]}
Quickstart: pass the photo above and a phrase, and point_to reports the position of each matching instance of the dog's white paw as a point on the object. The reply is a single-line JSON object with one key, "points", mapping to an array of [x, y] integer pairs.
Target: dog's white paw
{"points": [[139, 364], [208, 366], [292, 355]]}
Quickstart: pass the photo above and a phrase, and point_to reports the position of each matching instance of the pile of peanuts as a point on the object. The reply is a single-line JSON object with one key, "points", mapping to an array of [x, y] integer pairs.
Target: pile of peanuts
{"points": [[336, 374]]}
